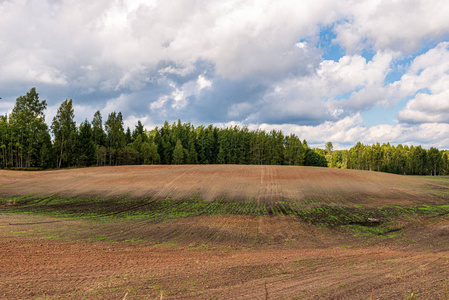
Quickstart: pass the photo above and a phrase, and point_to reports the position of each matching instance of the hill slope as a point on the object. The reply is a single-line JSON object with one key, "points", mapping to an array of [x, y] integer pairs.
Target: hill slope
{"points": [[223, 231], [251, 183]]}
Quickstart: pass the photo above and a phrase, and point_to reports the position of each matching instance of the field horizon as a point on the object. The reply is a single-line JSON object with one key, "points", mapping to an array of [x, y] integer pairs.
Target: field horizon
{"points": [[223, 231]]}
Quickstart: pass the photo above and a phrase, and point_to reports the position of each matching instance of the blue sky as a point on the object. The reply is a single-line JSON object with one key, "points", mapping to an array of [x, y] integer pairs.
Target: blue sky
{"points": [[340, 71]]}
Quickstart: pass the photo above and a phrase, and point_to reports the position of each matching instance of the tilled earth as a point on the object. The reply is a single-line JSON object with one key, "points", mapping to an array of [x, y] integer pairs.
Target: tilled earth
{"points": [[52, 258], [251, 183], [222, 256]]}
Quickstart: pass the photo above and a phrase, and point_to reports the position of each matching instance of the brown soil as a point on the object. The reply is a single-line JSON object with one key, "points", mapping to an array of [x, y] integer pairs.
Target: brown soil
{"points": [[47, 258], [221, 257], [261, 183]]}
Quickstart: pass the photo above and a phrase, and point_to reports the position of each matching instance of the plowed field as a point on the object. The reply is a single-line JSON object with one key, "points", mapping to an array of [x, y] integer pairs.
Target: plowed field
{"points": [[222, 232]]}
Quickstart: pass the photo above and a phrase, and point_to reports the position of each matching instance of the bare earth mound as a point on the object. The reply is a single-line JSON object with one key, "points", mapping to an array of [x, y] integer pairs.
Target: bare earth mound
{"points": [[262, 183], [222, 256]]}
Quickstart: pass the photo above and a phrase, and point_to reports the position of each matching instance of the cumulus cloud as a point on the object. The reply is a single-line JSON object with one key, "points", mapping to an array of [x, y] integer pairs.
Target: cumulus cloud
{"points": [[320, 96], [397, 25], [251, 38], [42, 41], [354, 74], [109, 48], [425, 108], [427, 83], [427, 134], [429, 70], [346, 132], [251, 62], [6, 106]]}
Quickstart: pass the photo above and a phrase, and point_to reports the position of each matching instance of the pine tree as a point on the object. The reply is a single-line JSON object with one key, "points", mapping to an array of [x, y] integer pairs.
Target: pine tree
{"points": [[153, 156], [192, 155], [178, 153], [128, 138], [99, 136], [86, 146], [221, 156], [139, 130]]}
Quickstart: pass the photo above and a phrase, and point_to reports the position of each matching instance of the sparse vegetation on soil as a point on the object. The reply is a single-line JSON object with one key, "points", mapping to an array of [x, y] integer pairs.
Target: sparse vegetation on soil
{"points": [[221, 231]]}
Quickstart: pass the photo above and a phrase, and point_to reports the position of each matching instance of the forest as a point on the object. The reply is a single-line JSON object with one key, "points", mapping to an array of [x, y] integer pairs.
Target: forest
{"points": [[27, 142]]}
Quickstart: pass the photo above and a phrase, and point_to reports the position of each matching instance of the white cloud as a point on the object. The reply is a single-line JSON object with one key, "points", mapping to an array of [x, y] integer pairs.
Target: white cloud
{"points": [[251, 38], [317, 97], [131, 122], [118, 104], [346, 132], [429, 70], [425, 108], [177, 70], [203, 82], [256, 61], [353, 72], [134, 79], [6, 106], [178, 97], [396, 25], [239, 38], [56, 38]]}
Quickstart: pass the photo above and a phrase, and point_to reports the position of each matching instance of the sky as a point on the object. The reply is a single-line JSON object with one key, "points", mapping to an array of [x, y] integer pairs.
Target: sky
{"points": [[325, 70]]}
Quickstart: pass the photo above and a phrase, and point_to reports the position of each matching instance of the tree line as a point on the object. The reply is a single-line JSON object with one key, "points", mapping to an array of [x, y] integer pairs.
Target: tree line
{"points": [[407, 160], [27, 142]]}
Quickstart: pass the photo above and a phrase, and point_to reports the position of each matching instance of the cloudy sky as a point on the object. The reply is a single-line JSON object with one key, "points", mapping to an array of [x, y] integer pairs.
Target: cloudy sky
{"points": [[326, 70]]}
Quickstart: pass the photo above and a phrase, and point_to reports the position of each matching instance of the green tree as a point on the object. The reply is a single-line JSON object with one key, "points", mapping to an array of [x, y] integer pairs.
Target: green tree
{"points": [[315, 157], [101, 155], [221, 156], [163, 139], [128, 137], [337, 159], [139, 130], [28, 130], [149, 152], [45, 151], [435, 161], [137, 146], [178, 153], [295, 151], [445, 163], [115, 139], [98, 133], [86, 146], [329, 147], [4, 141], [192, 155], [64, 131]]}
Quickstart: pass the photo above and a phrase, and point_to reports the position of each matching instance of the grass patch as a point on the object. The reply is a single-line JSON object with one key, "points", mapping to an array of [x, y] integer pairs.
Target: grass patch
{"points": [[358, 219], [437, 178]]}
